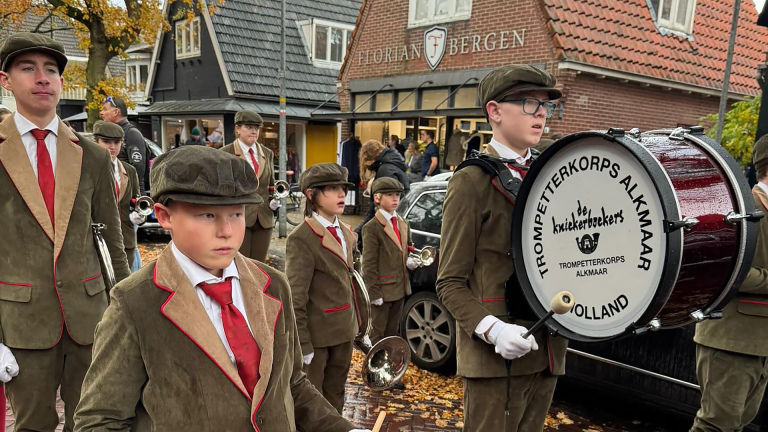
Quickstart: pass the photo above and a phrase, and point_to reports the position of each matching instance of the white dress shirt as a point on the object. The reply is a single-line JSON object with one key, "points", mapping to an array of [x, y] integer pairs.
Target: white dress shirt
{"points": [[25, 128], [116, 170], [324, 222], [508, 153], [246, 151], [388, 216], [763, 186], [198, 275]]}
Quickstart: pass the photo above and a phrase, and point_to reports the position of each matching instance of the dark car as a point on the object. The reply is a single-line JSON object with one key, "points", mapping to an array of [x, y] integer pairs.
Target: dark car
{"points": [[657, 367]]}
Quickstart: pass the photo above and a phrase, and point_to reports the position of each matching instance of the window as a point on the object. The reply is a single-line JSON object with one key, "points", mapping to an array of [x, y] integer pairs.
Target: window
{"points": [[425, 217], [426, 12], [188, 38], [676, 14], [431, 98], [329, 42]]}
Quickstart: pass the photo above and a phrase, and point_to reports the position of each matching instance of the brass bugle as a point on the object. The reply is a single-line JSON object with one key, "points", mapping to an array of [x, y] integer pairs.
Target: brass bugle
{"points": [[424, 256], [143, 205], [280, 190]]}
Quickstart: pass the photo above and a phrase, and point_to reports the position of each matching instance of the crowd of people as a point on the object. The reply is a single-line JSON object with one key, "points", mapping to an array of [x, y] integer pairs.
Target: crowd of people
{"points": [[209, 337]]}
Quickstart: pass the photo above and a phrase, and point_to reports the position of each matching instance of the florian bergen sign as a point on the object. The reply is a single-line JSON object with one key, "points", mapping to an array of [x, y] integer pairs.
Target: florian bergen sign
{"points": [[593, 226], [437, 43]]}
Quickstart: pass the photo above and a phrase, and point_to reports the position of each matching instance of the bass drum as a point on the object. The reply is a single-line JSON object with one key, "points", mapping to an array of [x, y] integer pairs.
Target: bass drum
{"points": [[647, 231]]}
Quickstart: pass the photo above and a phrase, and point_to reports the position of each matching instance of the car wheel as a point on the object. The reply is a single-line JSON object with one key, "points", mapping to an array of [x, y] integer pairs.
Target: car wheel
{"points": [[430, 331]]}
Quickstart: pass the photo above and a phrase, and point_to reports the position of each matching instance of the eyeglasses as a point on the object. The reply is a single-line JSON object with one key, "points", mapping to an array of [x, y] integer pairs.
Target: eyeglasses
{"points": [[531, 105]]}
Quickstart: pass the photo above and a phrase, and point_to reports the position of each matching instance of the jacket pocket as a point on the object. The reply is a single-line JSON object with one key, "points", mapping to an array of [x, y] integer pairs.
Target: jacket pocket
{"points": [[753, 307], [94, 285], [15, 292], [336, 309]]}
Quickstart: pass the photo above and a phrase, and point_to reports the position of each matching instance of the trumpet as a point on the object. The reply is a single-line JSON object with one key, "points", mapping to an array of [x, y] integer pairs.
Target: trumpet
{"points": [[280, 190], [424, 256], [385, 361], [143, 205], [105, 260]]}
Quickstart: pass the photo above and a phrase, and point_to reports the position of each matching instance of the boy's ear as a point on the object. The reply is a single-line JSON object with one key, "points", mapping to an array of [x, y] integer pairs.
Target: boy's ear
{"points": [[308, 193], [163, 215]]}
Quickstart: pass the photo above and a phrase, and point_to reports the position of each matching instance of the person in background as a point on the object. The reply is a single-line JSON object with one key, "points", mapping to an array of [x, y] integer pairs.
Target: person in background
{"points": [[413, 162], [430, 163], [194, 138], [394, 142], [134, 150], [4, 113]]}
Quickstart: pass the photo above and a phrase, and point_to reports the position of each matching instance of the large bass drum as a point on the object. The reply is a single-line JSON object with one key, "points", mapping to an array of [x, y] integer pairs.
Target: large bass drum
{"points": [[648, 231]]}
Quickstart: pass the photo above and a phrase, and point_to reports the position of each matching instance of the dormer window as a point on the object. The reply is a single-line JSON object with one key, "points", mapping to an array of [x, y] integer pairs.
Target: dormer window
{"points": [[327, 41], [675, 15], [188, 38]]}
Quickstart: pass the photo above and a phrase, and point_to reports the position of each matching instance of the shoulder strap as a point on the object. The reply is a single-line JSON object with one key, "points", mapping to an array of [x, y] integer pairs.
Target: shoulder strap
{"points": [[497, 167]]}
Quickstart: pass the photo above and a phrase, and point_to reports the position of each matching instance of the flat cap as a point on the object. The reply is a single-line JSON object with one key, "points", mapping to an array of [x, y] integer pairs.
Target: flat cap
{"points": [[248, 117], [27, 42], [386, 185], [508, 80], [203, 175], [325, 174], [108, 130], [760, 152]]}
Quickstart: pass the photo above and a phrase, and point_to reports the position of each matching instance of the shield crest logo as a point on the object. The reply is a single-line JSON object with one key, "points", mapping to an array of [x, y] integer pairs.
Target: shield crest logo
{"points": [[434, 45]]}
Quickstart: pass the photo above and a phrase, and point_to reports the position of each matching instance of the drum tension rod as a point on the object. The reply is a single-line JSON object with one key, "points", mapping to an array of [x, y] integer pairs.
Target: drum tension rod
{"points": [[753, 216], [688, 223], [699, 316]]}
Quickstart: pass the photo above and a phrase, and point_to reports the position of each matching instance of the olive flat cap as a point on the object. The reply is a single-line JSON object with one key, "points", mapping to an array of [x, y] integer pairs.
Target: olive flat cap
{"points": [[508, 80], [27, 42], [248, 117], [386, 185], [325, 174], [203, 175], [760, 152], [108, 130]]}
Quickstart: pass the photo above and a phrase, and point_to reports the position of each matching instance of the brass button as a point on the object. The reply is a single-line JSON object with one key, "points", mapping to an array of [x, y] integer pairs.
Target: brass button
{"points": [[59, 284]]}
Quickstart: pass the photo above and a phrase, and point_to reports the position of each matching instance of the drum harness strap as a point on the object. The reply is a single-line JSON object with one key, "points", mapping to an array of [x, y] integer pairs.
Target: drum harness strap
{"points": [[500, 167]]}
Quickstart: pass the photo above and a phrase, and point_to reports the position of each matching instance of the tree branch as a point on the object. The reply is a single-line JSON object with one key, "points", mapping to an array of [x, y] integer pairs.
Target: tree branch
{"points": [[71, 11]]}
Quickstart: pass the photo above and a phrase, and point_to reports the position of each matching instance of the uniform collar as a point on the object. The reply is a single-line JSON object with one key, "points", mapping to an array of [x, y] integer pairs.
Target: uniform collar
{"points": [[324, 222], [196, 274], [24, 126], [507, 153], [763, 186], [387, 215], [245, 148]]}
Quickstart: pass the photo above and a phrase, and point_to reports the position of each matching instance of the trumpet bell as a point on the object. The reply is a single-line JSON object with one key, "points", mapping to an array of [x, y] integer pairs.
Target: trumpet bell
{"points": [[425, 257], [144, 206], [386, 363], [282, 189]]}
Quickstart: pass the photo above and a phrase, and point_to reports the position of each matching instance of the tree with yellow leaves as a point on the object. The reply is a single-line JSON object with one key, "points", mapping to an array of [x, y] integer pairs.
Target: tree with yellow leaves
{"points": [[105, 29], [739, 129]]}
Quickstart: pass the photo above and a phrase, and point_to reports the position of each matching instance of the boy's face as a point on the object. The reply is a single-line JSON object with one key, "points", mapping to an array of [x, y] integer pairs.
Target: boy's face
{"points": [[517, 128], [35, 82], [331, 200], [208, 235], [387, 201], [112, 145], [247, 133]]}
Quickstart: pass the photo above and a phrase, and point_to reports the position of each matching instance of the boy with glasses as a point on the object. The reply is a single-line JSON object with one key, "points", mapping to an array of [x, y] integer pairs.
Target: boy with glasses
{"points": [[475, 267]]}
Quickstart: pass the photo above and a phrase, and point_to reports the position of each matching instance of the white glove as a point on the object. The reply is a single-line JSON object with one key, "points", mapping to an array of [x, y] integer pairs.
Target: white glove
{"points": [[377, 302], [274, 204], [8, 366], [427, 177], [412, 263], [509, 341], [367, 341], [308, 358], [136, 218]]}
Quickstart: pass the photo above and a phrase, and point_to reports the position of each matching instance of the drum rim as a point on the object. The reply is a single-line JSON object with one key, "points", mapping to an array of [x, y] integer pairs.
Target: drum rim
{"points": [[670, 208]]}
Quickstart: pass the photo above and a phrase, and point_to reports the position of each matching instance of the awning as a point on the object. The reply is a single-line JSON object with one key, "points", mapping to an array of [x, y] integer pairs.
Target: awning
{"points": [[231, 106], [402, 115]]}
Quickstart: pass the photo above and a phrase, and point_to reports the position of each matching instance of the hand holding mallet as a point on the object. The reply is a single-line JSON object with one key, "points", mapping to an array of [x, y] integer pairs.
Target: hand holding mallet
{"points": [[560, 304]]}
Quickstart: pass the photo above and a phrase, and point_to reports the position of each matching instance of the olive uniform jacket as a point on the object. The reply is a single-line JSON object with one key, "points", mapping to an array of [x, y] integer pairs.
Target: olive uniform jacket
{"points": [[473, 269], [321, 282], [129, 189], [50, 277], [384, 256], [260, 213], [744, 325], [159, 364]]}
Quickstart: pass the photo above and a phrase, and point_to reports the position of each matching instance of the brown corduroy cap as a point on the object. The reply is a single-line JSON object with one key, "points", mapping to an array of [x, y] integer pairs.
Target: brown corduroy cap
{"points": [[325, 174], [760, 152], [508, 80], [108, 130], [26, 42], [248, 117], [386, 185], [203, 175]]}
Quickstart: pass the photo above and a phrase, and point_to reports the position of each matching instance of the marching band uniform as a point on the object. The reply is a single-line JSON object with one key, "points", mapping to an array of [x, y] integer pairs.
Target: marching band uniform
{"points": [[52, 292], [319, 268], [385, 252], [732, 352], [475, 264], [163, 359], [259, 218]]}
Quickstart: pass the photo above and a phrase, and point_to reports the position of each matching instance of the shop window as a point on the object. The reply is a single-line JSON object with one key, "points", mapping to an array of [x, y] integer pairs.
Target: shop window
{"points": [[408, 101], [188, 38], [431, 98], [359, 99], [426, 12], [384, 102], [465, 97], [329, 42], [675, 14]]}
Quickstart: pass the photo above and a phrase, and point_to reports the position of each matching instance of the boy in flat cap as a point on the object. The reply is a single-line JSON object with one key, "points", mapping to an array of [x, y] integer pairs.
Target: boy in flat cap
{"points": [[319, 263], [203, 339], [386, 243], [475, 266], [110, 136], [732, 352], [54, 186], [259, 218]]}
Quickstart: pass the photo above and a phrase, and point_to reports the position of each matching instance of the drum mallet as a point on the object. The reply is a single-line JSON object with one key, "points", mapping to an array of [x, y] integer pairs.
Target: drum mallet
{"points": [[379, 421], [560, 304]]}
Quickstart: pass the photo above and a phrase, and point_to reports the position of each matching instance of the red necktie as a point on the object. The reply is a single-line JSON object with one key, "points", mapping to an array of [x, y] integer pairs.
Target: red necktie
{"points": [[255, 164], [241, 341], [397, 228], [522, 172], [117, 188], [334, 233], [45, 177]]}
